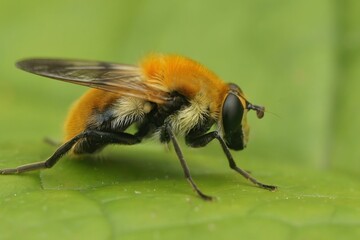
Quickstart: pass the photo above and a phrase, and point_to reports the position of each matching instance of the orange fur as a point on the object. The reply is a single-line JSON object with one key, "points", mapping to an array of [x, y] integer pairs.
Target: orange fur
{"points": [[186, 76], [171, 72], [82, 109]]}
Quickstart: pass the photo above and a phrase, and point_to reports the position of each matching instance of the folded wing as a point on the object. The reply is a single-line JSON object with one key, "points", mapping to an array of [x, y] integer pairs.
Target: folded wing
{"points": [[117, 78]]}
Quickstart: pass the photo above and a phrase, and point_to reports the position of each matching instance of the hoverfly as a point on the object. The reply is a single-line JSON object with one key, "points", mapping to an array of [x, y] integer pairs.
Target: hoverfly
{"points": [[164, 96]]}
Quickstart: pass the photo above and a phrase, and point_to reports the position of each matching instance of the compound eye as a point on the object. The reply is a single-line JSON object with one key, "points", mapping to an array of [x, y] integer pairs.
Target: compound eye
{"points": [[232, 114]]}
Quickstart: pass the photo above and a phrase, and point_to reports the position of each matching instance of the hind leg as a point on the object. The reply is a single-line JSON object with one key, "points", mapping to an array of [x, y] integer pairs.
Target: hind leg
{"points": [[98, 140], [97, 137]]}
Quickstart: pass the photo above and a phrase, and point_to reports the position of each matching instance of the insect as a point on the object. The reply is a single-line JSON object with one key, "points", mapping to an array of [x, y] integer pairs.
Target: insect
{"points": [[165, 96]]}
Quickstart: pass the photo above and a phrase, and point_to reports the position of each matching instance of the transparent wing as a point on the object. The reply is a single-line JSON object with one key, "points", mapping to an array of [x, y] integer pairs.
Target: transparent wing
{"points": [[117, 78]]}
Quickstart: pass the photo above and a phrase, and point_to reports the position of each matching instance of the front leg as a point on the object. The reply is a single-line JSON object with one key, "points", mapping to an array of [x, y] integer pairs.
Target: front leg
{"points": [[200, 141], [245, 174], [203, 140]]}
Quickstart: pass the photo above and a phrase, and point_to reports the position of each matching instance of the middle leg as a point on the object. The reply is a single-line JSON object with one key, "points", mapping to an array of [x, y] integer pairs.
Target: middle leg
{"points": [[184, 164]]}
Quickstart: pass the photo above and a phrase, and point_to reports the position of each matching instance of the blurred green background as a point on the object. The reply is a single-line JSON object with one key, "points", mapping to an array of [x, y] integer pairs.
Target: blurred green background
{"points": [[301, 59]]}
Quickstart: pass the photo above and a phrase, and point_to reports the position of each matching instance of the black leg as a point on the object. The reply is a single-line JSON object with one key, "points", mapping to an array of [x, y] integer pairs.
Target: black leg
{"points": [[200, 141], [184, 165], [96, 140], [244, 173], [203, 140], [121, 138]]}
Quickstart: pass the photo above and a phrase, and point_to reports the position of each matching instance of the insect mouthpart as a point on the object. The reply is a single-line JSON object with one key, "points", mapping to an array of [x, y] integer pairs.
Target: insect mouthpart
{"points": [[259, 109]]}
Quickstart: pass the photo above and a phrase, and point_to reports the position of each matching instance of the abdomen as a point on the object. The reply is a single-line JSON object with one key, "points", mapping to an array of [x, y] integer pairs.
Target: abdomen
{"points": [[83, 109]]}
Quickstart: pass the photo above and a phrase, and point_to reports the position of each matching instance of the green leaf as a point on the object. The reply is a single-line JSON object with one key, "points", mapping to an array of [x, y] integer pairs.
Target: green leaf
{"points": [[298, 58]]}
